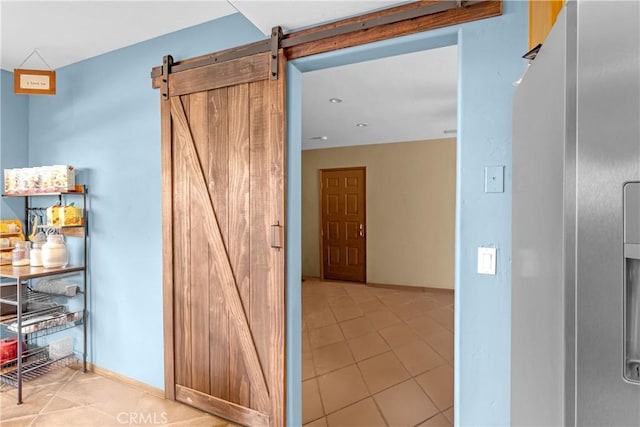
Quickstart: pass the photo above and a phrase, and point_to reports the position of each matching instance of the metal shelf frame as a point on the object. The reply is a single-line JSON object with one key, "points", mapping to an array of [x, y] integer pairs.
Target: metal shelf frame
{"points": [[28, 363]]}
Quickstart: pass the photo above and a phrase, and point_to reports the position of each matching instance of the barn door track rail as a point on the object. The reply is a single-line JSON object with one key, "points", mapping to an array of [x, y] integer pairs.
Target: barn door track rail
{"points": [[396, 21]]}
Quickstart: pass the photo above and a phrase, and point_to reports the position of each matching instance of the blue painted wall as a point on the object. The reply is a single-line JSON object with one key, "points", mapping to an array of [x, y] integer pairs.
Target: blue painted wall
{"points": [[489, 62], [105, 120], [14, 138]]}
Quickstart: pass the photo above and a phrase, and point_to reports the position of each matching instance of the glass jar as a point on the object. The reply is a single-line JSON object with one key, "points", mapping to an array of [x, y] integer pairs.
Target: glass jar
{"points": [[20, 254], [35, 255], [54, 252]]}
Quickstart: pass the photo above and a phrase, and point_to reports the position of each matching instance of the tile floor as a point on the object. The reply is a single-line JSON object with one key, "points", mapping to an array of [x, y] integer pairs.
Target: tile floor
{"points": [[371, 357], [67, 397], [376, 356]]}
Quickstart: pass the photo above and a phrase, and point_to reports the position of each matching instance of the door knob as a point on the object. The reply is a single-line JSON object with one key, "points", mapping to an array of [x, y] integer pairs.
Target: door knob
{"points": [[361, 231]]}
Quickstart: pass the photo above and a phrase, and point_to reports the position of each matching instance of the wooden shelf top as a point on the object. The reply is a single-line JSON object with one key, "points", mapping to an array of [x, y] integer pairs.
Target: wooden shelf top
{"points": [[28, 272], [80, 189]]}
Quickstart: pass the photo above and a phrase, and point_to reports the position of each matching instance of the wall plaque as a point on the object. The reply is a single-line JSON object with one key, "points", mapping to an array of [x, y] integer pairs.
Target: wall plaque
{"points": [[34, 82]]}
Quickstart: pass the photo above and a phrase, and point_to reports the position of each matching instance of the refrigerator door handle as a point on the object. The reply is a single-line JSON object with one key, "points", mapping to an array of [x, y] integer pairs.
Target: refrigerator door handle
{"points": [[631, 285]]}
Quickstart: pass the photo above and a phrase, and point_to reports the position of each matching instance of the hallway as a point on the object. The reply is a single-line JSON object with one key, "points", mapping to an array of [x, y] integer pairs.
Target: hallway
{"points": [[376, 356]]}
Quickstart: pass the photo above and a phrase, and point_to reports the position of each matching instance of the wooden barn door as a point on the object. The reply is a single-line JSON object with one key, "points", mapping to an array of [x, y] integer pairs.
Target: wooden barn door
{"points": [[224, 191]]}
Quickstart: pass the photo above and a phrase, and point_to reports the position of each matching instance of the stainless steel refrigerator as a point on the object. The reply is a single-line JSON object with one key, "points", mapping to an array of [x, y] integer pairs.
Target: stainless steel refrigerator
{"points": [[576, 223]]}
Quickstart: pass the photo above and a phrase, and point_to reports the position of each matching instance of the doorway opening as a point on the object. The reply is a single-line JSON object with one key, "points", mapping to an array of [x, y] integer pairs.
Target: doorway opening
{"points": [[366, 347]]}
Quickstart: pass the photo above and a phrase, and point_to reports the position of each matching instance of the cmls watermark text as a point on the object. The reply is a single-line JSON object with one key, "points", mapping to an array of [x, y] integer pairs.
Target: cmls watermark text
{"points": [[142, 418]]}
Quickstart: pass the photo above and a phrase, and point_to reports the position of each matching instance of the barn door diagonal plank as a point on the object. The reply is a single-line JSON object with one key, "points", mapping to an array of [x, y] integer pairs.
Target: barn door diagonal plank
{"points": [[223, 269]]}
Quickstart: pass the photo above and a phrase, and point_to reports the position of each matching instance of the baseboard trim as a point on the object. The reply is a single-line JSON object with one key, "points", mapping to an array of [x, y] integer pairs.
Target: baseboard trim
{"points": [[410, 288], [386, 285], [125, 380]]}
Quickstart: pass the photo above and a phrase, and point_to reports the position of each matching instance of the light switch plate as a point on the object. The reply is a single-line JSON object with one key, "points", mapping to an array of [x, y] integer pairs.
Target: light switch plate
{"points": [[487, 261], [494, 179]]}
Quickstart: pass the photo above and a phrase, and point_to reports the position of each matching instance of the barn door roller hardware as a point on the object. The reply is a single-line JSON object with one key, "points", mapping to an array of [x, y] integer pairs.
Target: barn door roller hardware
{"points": [[167, 62], [276, 36]]}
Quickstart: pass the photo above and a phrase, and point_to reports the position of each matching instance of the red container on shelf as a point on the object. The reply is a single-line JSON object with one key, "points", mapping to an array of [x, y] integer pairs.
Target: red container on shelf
{"points": [[9, 350]]}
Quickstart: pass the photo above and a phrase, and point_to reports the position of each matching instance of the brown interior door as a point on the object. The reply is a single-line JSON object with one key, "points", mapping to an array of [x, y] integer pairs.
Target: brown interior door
{"points": [[343, 224], [224, 288]]}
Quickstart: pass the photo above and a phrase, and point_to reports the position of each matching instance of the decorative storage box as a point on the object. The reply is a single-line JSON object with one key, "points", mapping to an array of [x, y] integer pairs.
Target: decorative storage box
{"points": [[43, 179], [58, 216], [9, 350], [64, 177]]}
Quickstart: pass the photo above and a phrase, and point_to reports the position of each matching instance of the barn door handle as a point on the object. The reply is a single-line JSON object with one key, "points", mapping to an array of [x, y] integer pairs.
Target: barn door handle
{"points": [[276, 236], [361, 231]]}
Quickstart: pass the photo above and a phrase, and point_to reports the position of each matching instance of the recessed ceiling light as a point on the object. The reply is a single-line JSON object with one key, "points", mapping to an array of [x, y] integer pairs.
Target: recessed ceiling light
{"points": [[319, 138], [362, 125], [335, 100]]}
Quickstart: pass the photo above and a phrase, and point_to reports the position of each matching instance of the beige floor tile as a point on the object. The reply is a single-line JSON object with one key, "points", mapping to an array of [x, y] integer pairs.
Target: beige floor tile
{"points": [[321, 318], [326, 335], [429, 303], [405, 404], [306, 344], [356, 327], [322, 422], [398, 335], [361, 414], [360, 294], [79, 416], [18, 422], [311, 403], [314, 305], [443, 344], [331, 357], [366, 346], [411, 331], [58, 403], [347, 312], [100, 390], [449, 415], [73, 398], [418, 357], [341, 388], [437, 421], [153, 407], [383, 319], [396, 297], [438, 384], [33, 398], [332, 290], [308, 370], [408, 311], [341, 301], [445, 298], [426, 326], [443, 316], [371, 305], [382, 371]]}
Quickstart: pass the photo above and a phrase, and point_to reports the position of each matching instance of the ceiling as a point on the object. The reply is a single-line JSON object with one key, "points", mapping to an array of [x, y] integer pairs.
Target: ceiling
{"points": [[402, 98]]}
